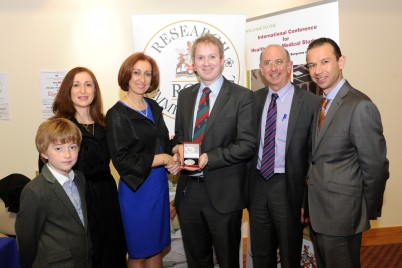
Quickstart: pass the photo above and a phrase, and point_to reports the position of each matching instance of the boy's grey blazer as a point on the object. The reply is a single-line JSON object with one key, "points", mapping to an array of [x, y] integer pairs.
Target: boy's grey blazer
{"points": [[49, 230], [349, 166]]}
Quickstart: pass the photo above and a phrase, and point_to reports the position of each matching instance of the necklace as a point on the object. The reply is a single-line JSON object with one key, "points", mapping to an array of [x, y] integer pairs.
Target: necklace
{"points": [[90, 128], [139, 110]]}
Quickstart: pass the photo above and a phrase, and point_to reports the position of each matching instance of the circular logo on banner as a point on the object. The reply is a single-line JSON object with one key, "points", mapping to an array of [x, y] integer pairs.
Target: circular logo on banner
{"points": [[171, 48]]}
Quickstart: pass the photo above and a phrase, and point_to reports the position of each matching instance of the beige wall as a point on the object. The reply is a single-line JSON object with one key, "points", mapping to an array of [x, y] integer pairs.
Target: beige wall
{"points": [[39, 35]]}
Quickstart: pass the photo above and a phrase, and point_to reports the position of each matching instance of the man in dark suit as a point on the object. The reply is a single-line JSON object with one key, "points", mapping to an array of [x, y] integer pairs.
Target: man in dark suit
{"points": [[52, 225], [276, 200], [349, 167], [210, 198]]}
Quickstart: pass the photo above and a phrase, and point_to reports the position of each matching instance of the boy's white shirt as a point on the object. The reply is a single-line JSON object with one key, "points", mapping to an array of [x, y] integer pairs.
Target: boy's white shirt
{"points": [[61, 178]]}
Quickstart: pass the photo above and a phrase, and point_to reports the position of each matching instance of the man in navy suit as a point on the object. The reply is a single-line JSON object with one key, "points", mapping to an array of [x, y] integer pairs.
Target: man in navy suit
{"points": [[211, 197], [276, 205]]}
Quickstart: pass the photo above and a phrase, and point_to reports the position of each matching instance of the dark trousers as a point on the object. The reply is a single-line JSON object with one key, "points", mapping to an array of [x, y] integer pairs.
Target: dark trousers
{"points": [[204, 228], [272, 225], [337, 251]]}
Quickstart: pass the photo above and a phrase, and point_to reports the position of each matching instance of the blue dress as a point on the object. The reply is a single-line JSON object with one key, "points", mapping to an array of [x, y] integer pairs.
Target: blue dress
{"points": [[145, 213]]}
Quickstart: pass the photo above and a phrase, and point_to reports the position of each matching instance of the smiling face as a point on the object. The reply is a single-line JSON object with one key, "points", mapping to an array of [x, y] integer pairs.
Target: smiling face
{"points": [[82, 90], [141, 78], [208, 62], [61, 157], [325, 70], [275, 66]]}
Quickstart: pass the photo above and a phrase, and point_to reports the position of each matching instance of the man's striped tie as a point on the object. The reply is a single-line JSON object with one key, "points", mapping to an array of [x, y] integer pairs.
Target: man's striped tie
{"points": [[268, 153], [324, 102], [202, 116]]}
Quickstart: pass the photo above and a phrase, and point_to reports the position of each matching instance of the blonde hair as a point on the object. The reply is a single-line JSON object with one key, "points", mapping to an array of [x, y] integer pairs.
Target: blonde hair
{"points": [[57, 130], [207, 39]]}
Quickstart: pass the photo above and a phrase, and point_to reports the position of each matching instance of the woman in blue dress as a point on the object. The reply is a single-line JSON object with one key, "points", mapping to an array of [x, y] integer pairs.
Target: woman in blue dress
{"points": [[141, 152]]}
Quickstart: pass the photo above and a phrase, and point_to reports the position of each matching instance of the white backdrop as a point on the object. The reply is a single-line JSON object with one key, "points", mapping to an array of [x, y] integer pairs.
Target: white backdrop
{"points": [[294, 29], [168, 39]]}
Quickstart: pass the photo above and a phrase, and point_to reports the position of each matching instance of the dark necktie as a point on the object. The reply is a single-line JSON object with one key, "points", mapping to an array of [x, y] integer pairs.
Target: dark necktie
{"points": [[268, 153], [323, 106], [202, 116]]}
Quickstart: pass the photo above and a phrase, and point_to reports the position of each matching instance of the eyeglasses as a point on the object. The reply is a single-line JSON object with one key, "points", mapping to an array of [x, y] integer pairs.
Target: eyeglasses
{"points": [[277, 62]]}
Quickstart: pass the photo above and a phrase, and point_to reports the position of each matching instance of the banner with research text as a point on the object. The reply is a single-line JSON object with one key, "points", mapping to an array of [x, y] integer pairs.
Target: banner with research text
{"points": [[294, 29], [169, 38]]}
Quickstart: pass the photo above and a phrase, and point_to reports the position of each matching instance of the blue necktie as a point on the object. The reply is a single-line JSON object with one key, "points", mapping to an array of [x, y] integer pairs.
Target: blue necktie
{"points": [[268, 153]]}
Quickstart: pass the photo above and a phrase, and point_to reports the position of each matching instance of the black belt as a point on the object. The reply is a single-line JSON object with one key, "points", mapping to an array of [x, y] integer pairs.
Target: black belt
{"points": [[196, 179]]}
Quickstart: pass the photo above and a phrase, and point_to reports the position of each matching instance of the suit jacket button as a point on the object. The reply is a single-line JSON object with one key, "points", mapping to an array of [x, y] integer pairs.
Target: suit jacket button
{"points": [[313, 162]]}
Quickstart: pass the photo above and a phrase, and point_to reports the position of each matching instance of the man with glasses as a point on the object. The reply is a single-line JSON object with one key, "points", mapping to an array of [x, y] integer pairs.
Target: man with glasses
{"points": [[349, 167], [278, 172]]}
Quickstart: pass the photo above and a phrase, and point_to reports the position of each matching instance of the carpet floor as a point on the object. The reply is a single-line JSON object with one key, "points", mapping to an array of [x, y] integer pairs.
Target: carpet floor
{"points": [[381, 256], [387, 256]]}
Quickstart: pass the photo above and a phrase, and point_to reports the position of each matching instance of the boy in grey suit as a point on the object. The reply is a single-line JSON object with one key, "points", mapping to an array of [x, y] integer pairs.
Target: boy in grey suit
{"points": [[51, 225]]}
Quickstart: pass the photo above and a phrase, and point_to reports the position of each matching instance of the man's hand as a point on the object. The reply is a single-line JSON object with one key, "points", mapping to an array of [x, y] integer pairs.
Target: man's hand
{"points": [[173, 168], [202, 162], [172, 165], [303, 219], [178, 153]]}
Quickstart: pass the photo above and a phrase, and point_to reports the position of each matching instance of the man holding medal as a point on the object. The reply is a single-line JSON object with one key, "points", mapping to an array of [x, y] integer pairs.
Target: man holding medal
{"points": [[218, 118]]}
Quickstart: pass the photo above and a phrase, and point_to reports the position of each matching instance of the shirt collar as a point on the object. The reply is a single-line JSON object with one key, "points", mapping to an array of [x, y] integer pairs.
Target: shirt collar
{"points": [[283, 92], [215, 87], [335, 91], [61, 178]]}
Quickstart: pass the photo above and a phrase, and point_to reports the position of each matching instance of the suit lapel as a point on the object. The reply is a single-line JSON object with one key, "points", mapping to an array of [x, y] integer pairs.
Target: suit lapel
{"points": [[61, 194], [80, 183], [329, 117], [221, 99], [297, 103], [296, 106], [261, 98]]}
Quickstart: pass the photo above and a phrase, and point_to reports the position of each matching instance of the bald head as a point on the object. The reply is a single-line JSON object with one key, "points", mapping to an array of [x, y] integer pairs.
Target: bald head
{"points": [[278, 47], [275, 66]]}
